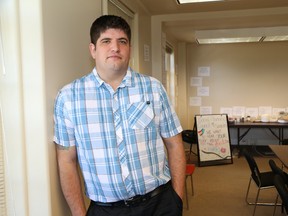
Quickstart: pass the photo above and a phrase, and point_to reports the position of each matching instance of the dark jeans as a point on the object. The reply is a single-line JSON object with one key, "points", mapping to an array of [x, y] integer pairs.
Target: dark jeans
{"points": [[167, 203]]}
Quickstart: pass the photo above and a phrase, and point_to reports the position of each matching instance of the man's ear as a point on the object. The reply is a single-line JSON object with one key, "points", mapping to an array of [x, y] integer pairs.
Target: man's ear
{"points": [[92, 49]]}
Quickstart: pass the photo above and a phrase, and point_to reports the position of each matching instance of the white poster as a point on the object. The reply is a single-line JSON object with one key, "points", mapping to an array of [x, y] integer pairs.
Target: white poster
{"points": [[213, 138], [226, 110], [146, 53], [276, 111], [203, 71], [202, 91], [205, 110], [252, 112], [239, 111], [265, 110], [195, 101], [196, 81]]}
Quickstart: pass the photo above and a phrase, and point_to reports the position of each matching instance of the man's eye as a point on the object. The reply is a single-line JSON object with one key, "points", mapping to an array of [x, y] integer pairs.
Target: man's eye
{"points": [[105, 41], [123, 41]]}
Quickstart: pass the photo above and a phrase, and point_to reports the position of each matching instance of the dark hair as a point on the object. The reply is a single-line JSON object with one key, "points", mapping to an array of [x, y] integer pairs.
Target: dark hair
{"points": [[105, 22]]}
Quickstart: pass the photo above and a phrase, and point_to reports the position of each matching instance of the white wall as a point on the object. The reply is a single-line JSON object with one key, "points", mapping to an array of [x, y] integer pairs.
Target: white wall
{"points": [[13, 110], [23, 107], [33, 91], [249, 75], [66, 26]]}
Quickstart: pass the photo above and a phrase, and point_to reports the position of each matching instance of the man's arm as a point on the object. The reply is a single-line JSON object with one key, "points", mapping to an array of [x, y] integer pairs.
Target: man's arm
{"points": [[177, 162], [70, 179]]}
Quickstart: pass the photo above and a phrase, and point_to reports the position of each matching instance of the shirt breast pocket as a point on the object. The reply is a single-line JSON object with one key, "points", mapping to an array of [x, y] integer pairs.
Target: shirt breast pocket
{"points": [[140, 115]]}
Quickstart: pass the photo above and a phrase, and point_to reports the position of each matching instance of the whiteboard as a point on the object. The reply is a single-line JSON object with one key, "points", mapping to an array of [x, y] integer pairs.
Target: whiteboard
{"points": [[214, 146]]}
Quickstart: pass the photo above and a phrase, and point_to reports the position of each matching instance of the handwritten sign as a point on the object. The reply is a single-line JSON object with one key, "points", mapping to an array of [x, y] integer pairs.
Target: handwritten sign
{"points": [[213, 138]]}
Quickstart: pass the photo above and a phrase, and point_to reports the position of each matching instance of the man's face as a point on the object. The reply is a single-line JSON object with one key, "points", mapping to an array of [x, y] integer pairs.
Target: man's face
{"points": [[112, 52]]}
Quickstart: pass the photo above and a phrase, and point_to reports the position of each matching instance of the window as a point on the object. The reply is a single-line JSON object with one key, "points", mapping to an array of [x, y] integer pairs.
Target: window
{"points": [[170, 74]]}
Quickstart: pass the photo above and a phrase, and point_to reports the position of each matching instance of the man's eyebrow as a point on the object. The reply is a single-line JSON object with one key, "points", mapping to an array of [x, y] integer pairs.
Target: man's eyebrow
{"points": [[123, 38], [106, 38]]}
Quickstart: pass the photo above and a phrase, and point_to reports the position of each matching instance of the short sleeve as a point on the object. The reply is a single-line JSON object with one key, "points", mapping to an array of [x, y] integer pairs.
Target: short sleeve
{"points": [[63, 124], [169, 121]]}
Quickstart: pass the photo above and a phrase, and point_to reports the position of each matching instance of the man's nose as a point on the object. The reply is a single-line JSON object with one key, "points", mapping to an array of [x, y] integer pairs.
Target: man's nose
{"points": [[115, 46]]}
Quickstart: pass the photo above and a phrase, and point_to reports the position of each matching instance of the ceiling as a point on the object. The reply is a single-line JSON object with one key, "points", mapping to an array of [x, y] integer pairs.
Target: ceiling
{"points": [[229, 14]]}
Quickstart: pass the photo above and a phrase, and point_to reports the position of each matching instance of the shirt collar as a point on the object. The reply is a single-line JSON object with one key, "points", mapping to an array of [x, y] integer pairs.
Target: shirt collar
{"points": [[127, 80]]}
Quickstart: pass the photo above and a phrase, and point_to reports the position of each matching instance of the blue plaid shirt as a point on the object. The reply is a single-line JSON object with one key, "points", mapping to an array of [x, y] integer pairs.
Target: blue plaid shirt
{"points": [[118, 134]]}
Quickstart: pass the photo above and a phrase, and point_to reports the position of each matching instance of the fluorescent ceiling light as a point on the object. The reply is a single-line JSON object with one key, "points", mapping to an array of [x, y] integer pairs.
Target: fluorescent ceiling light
{"points": [[228, 40], [242, 35], [276, 38], [195, 1]]}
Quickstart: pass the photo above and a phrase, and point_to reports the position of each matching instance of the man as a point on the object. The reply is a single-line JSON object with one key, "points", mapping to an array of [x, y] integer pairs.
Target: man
{"points": [[118, 125]]}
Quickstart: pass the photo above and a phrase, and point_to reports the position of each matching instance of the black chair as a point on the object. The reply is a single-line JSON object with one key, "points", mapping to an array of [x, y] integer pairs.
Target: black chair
{"points": [[263, 180], [278, 171], [190, 137], [282, 190]]}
